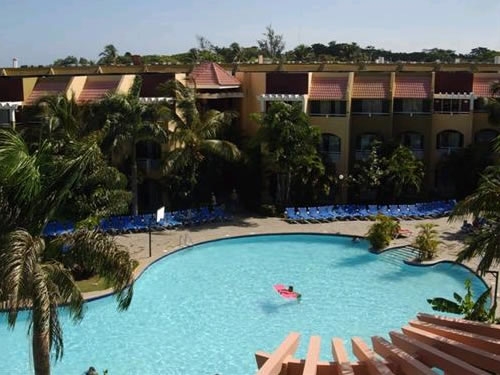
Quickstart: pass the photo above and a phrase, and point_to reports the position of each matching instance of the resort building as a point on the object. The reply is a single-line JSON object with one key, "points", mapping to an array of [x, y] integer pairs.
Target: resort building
{"points": [[434, 109]]}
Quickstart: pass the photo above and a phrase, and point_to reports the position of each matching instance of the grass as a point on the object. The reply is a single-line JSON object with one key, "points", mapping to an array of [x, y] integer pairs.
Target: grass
{"points": [[95, 283]]}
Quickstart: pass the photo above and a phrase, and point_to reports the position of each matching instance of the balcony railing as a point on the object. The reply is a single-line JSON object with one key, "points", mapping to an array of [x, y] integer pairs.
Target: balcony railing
{"points": [[362, 154], [418, 153], [444, 151], [331, 156], [148, 165]]}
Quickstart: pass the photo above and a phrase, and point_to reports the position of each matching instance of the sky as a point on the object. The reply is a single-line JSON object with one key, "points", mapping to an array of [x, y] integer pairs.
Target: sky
{"points": [[37, 32]]}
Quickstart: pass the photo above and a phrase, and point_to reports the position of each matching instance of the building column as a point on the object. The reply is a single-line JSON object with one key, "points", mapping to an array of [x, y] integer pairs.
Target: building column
{"points": [[12, 117]]}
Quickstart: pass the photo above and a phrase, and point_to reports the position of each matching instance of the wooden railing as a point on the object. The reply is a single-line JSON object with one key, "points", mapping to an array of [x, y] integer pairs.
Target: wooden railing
{"points": [[455, 346]]}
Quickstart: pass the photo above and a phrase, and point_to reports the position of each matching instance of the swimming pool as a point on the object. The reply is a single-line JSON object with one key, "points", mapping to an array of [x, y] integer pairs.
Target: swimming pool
{"points": [[207, 309]]}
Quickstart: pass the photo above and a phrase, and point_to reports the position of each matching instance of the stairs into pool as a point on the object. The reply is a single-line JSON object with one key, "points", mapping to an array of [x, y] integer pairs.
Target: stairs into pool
{"points": [[399, 255]]}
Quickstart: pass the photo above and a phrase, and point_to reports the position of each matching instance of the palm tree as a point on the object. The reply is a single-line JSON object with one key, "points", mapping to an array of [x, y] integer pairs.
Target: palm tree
{"points": [[404, 171], [33, 273], [61, 117], [426, 241], [128, 121], [193, 134], [108, 55]]}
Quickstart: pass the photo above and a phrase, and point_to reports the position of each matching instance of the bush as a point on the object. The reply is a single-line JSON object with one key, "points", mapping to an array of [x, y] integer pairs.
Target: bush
{"points": [[382, 232], [427, 241]]}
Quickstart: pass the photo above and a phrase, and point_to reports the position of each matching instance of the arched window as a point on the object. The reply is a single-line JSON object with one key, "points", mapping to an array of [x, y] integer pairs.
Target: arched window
{"points": [[450, 139], [148, 150], [415, 142], [330, 147], [485, 135], [364, 144]]}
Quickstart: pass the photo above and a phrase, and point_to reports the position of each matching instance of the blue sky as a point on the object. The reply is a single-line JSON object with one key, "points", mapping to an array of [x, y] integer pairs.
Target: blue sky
{"points": [[39, 32]]}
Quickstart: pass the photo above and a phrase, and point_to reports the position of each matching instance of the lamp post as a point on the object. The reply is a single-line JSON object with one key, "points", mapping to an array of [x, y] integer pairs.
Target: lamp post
{"points": [[495, 274]]}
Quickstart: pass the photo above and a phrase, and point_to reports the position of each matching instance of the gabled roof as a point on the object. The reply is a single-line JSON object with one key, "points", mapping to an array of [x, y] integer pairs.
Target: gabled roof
{"points": [[47, 86], [370, 87], [210, 75], [413, 86], [481, 85], [328, 88]]}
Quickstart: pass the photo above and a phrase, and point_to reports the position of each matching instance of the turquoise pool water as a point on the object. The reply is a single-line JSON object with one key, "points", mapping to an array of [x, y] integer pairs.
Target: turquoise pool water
{"points": [[207, 309]]}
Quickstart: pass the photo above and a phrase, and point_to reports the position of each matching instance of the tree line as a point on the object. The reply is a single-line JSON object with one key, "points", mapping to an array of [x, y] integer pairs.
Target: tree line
{"points": [[272, 46]]}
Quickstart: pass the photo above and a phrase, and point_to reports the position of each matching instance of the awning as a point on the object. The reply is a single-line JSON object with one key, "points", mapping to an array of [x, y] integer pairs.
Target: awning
{"points": [[96, 87], [46, 86], [328, 88], [481, 85], [412, 86], [370, 87]]}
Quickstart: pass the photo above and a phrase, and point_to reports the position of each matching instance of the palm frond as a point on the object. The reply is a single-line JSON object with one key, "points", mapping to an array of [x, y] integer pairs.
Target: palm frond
{"points": [[224, 149], [484, 244], [101, 254], [19, 255]]}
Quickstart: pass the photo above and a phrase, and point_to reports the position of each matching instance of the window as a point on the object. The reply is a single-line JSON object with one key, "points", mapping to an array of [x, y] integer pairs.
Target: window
{"points": [[485, 135], [411, 106], [4, 116], [452, 105], [412, 140], [370, 106], [450, 139], [365, 141], [327, 107], [330, 147]]}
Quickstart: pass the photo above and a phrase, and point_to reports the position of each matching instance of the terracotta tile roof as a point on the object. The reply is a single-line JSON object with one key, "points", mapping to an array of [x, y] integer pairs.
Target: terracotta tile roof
{"points": [[328, 88], [96, 87], [211, 75], [481, 86], [370, 87], [47, 86], [413, 87]]}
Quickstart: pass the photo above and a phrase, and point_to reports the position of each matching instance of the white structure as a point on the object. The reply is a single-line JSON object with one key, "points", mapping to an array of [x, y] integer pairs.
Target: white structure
{"points": [[11, 107], [15, 63]]}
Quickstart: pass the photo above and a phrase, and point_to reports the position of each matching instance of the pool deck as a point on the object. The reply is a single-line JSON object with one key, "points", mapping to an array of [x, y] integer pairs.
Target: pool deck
{"points": [[171, 240]]}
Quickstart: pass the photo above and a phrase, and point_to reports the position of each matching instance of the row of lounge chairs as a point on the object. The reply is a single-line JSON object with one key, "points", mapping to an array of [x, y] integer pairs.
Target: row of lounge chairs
{"points": [[368, 212], [142, 223]]}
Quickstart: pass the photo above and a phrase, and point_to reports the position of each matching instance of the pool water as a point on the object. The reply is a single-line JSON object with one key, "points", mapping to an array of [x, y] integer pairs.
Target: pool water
{"points": [[207, 309]]}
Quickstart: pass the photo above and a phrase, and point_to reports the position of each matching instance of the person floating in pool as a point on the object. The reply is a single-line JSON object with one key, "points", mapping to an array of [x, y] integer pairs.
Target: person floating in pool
{"points": [[297, 295]]}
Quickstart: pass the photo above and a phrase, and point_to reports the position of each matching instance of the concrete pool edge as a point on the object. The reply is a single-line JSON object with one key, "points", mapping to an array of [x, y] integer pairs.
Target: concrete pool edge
{"points": [[94, 296]]}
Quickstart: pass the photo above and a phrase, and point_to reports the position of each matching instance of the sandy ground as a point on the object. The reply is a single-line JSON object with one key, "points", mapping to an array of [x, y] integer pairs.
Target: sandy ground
{"points": [[171, 240]]}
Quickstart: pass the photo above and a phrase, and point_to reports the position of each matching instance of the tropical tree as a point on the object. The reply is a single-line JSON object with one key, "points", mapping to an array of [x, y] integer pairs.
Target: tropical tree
{"points": [[472, 310], [34, 273], [108, 55], [193, 135], [383, 231], [272, 45], [426, 241], [403, 171], [493, 104], [127, 122], [289, 146]]}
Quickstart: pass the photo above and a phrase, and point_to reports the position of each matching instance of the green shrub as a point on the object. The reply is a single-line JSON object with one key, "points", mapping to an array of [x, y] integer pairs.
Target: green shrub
{"points": [[383, 231], [426, 241]]}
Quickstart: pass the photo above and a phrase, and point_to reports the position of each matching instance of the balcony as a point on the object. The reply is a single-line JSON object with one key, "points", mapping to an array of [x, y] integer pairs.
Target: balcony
{"points": [[331, 156], [445, 151], [418, 153], [148, 166], [362, 154]]}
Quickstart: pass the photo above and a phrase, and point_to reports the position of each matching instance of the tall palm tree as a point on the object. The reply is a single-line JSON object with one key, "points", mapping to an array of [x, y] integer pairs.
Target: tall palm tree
{"points": [[33, 274], [193, 134], [128, 121]]}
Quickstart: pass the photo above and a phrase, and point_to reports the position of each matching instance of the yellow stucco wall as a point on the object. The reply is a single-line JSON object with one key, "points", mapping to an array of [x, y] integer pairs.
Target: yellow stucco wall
{"points": [[253, 84], [28, 86], [125, 84], [75, 86]]}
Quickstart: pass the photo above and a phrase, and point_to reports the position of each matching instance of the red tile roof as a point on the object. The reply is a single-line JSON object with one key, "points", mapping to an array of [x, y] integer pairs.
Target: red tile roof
{"points": [[47, 86], [211, 75], [481, 86], [413, 86], [96, 87], [328, 88], [370, 87]]}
